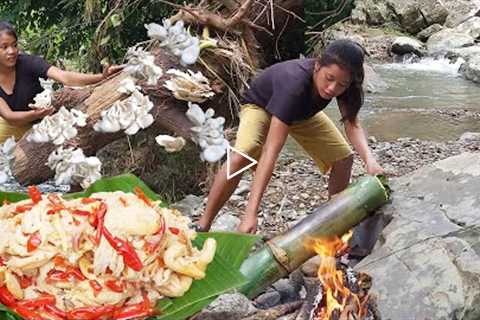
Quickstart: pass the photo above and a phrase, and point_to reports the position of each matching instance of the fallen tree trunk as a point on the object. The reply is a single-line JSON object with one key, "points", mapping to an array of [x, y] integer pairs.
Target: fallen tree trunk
{"points": [[169, 114], [285, 253]]}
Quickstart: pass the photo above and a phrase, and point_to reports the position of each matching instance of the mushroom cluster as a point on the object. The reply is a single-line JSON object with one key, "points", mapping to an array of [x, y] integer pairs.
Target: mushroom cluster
{"points": [[177, 39], [131, 114], [72, 166], [44, 99], [58, 127], [141, 65], [6, 158], [189, 86], [207, 132]]}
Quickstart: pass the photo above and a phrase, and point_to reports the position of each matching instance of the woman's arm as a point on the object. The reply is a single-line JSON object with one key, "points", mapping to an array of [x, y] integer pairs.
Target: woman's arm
{"points": [[276, 137], [356, 136], [71, 78], [21, 118]]}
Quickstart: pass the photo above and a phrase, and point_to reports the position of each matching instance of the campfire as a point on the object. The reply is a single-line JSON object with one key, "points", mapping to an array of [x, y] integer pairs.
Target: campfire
{"points": [[344, 293]]}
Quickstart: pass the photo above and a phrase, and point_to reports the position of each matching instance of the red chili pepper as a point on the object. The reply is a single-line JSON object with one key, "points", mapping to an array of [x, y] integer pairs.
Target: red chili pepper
{"points": [[133, 311], [174, 230], [2, 262], [91, 313], [97, 287], [139, 193], [59, 261], [53, 310], [24, 207], [27, 313], [115, 285], [130, 257], [6, 297], [76, 273], [55, 199], [34, 194], [45, 299], [89, 200], [33, 241], [84, 213], [25, 281], [55, 275], [100, 214]]}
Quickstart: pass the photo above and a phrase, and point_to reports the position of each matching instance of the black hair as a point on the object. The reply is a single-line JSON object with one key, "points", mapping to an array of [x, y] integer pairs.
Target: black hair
{"points": [[8, 29], [350, 55]]}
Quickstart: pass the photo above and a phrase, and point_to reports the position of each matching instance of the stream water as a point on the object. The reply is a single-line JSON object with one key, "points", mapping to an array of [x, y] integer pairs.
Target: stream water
{"points": [[419, 103]]}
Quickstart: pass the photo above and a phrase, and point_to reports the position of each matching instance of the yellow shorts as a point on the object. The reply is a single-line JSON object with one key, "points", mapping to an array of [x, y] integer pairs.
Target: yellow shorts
{"points": [[7, 130], [318, 136]]}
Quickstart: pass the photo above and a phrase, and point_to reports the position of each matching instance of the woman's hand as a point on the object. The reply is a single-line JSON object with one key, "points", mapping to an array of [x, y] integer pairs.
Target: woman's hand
{"points": [[109, 70], [248, 224], [43, 112], [373, 168]]}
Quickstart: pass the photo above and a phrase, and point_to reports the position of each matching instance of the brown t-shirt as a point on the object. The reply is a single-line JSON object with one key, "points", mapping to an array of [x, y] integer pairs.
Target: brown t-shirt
{"points": [[286, 91], [27, 71]]}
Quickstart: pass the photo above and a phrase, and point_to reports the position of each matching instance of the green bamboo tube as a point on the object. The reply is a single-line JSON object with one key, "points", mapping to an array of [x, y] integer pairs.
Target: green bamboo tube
{"points": [[286, 252]]}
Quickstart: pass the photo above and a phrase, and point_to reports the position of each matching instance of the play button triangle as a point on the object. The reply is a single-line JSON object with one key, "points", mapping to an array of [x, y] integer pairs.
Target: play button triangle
{"points": [[251, 164]]}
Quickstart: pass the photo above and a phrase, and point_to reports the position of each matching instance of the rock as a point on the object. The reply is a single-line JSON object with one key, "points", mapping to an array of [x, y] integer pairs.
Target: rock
{"points": [[288, 292], [427, 265], [470, 69], [268, 299], [310, 268], [403, 45], [470, 27], [466, 53], [225, 222], [189, 205], [373, 13], [232, 306], [373, 83], [414, 16], [469, 137], [427, 32], [446, 40], [242, 188], [459, 10]]}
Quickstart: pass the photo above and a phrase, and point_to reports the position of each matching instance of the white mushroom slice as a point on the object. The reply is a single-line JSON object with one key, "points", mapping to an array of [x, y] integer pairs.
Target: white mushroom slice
{"points": [[176, 258], [83, 295], [38, 259], [176, 286], [13, 285], [171, 144]]}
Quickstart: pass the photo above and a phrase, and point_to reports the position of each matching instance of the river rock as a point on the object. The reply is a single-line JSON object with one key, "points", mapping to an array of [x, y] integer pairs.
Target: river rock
{"points": [[189, 206], [225, 222], [404, 45], [471, 69], [414, 16], [373, 13], [469, 137], [427, 32], [470, 27], [232, 306], [448, 39], [427, 264], [458, 11], [373, 83]]}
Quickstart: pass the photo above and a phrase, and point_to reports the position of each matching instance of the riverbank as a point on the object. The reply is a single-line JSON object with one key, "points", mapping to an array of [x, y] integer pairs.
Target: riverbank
{"points": [[297, 186]]}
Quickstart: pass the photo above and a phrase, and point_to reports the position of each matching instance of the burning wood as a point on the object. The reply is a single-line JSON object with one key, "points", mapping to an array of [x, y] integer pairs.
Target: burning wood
{"points": [[344, 294]]}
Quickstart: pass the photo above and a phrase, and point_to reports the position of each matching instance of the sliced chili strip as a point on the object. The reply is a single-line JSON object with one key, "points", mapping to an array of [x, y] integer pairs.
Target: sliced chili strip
{"points": [[174, 230], [45, 299], [130, 257], [34, 241], [34, 194], [91, 313], [25, 281], [23, 208], [6, 297], [100, 214], [84, 213], [97, 287], [139, 193], [115, 285], [53, 310], [28, 314]]}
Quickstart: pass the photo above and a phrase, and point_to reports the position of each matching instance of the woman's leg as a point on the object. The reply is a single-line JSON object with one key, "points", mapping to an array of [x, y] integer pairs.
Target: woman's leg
{"points": [[254, 124], [322, 140], [340, 175], [221, 190]]}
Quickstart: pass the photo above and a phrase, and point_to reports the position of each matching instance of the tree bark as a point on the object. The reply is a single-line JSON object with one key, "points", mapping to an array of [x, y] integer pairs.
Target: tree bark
{"points": [[169, 114]]}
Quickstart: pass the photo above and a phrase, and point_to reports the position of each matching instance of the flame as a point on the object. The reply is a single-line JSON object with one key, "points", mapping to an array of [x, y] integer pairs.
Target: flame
{"points": [[338, 300]]}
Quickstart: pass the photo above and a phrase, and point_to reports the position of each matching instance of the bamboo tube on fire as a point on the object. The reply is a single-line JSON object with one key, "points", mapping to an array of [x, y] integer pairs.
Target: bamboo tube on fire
{"points": [[285, 253]]}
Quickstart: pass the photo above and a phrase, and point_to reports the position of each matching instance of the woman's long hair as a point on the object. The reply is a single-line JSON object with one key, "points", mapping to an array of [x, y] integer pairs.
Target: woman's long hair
{"points": [[7, 28], [349, 55]]}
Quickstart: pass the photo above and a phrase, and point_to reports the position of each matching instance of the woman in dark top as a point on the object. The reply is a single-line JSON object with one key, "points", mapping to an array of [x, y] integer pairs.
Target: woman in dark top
{"points": [[19, 83], [287, 98]]}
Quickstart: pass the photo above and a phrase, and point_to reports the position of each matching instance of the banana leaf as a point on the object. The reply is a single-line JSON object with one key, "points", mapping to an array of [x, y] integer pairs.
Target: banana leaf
{"points": [[222, 274]]}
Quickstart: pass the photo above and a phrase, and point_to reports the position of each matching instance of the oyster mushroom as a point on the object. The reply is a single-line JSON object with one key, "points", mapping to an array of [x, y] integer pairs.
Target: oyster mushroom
{"points": [[190, 86]]}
